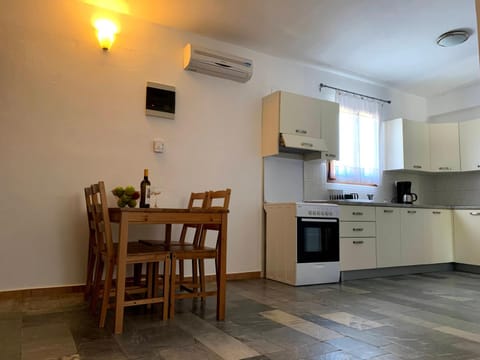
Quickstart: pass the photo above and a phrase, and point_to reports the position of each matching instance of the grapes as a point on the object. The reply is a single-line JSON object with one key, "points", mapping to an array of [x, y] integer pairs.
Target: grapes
{"points": [[126, 196]]}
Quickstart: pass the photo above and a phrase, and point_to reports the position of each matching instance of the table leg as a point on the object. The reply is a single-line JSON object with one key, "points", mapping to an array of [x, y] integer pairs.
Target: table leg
{"points": [[222, 266], [168, 233], [121, 270]]}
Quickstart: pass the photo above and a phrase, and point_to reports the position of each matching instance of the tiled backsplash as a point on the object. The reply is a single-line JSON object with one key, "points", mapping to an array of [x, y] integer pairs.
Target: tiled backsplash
{"points": [[434, 189], [283, 182]]}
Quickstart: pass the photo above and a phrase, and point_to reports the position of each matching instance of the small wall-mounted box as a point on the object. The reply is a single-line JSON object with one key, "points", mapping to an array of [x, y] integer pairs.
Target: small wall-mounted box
{"points": [[160, 100]]}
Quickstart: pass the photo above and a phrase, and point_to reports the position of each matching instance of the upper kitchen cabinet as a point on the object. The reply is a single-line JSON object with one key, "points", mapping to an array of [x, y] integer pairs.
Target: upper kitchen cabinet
{"points": [[299, 124], [469, 149], [406, 145], [330, 130], [444, 147]]}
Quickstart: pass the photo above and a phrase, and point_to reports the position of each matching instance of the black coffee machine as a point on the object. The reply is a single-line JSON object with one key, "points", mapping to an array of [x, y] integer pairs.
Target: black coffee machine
{"points": [[404, 192]]}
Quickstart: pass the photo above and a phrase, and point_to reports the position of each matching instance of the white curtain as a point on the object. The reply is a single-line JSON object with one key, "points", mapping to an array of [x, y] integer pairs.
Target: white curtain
{"points": [[359, 140]]}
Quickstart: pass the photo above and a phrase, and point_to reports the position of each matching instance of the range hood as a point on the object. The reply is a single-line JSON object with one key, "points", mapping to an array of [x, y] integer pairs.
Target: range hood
{"points": [[299, 144]]}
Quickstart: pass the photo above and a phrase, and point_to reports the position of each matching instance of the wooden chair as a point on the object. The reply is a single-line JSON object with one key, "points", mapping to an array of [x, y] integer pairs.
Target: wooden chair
{"points": [[198, 252], [137, 253], [197, 201]]}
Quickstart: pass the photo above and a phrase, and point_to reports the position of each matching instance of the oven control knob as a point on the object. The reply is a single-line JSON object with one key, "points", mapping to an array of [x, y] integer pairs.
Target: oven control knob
{"points": [[309, 212]]}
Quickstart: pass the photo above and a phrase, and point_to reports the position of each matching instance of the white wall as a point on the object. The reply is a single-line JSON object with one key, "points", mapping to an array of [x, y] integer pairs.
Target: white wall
{"points": [[72, 115]]}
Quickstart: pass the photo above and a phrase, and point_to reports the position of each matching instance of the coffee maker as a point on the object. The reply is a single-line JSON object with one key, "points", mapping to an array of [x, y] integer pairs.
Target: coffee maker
{"points": [[404, 192]]}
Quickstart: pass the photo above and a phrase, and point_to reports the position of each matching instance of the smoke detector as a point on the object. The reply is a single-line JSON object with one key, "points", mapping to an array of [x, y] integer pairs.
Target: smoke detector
{"points": [[452, 38]]}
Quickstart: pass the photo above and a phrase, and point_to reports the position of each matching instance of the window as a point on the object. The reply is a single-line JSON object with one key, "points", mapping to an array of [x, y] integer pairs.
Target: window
{"points": [[359, 142]]}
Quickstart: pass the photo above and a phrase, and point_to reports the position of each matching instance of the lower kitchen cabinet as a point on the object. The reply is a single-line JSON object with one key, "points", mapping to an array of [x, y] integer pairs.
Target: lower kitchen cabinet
{"points": [[414, 248], [466, 225], [357, 238], [357, 253], [413, 236], [439, 225], [389, 245]]}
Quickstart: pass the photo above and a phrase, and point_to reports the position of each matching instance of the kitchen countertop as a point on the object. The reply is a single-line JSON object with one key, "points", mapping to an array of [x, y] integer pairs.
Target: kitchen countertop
{"points": [[365, 202]]}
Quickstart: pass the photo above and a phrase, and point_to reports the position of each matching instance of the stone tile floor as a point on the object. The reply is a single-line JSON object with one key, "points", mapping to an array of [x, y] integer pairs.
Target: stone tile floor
{"points": [[424, 316]]}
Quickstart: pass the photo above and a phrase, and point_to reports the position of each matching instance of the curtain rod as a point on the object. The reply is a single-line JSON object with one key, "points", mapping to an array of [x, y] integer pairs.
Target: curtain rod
{"points": [[353, 93]]}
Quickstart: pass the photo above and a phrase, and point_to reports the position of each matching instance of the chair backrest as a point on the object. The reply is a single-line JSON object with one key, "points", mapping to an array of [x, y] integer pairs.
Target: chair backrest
{"points": [[219, 199], [101, 218], [197, 201]]}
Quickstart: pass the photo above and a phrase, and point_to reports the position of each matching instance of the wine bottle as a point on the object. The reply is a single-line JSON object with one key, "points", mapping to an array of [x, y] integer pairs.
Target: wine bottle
{"points": [[145, 190]]}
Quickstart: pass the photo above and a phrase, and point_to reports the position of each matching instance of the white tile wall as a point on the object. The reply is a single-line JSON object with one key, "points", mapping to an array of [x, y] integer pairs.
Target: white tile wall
{"points": [[434, 189]]}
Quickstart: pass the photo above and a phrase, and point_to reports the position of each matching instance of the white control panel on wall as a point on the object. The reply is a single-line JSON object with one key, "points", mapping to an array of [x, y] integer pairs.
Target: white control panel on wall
{"points": [[158, 145]]}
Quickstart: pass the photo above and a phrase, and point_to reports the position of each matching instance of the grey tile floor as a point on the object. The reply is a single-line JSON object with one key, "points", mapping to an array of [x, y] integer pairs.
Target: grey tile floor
{"points": [[424, 316]]}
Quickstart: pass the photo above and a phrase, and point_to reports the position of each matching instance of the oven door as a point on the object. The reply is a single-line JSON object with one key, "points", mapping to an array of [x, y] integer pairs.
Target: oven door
{"points": [[317, 240]]}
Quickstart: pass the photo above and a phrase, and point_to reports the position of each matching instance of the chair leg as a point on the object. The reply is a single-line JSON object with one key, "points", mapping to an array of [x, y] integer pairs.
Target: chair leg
{"points": [[97, 280], [149, 281], [90, 273], [155, 274], [137, 273], [166, 287], [181, 272], [194, 275], [106, 293], [171, 302], [203, 285]]}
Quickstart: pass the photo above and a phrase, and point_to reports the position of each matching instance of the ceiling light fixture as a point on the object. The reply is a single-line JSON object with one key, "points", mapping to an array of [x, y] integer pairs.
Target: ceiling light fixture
{"points": [[452, 38]]}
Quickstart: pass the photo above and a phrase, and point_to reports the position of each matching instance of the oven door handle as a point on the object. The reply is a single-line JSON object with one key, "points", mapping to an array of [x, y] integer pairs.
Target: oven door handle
{"points": [[319, 220]]}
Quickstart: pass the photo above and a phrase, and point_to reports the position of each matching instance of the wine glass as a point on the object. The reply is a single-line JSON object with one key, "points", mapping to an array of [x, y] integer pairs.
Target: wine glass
{"points": [[155, 192]]}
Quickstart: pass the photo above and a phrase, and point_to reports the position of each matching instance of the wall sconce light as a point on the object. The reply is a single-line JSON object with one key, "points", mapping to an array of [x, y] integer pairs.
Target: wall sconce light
{"points": [[106, 31]]}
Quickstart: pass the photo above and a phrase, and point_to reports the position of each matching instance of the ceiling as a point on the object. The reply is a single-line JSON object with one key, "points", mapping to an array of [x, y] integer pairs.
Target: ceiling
{"points": [[391, 42]]}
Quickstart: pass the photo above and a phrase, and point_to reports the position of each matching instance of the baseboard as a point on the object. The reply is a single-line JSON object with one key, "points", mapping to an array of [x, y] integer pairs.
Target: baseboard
{"points": [[395, 271], [38, 292], [63, 290]]}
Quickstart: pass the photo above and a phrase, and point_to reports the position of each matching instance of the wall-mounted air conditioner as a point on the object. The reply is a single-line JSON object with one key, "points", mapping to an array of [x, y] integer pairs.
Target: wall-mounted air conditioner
{"points": [[218, 64]]}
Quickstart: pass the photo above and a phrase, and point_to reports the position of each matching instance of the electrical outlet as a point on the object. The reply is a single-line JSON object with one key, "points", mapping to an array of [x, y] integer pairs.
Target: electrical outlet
{"points": [[158, 146]]}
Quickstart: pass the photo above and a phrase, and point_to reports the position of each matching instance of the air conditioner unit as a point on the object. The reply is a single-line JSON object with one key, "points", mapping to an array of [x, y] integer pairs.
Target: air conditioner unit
{"points": [[218, 64]]}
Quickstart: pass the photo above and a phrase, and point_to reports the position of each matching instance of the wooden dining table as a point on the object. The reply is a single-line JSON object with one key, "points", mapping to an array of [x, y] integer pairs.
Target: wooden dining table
{"points": [[126, 216]]}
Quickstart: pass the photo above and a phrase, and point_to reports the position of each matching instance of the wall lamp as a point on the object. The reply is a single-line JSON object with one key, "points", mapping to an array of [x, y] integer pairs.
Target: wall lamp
{"points": [[106, 31]]}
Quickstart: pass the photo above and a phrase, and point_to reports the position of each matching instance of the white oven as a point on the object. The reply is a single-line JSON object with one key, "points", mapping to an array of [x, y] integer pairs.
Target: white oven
{"points": [[302, 243]]}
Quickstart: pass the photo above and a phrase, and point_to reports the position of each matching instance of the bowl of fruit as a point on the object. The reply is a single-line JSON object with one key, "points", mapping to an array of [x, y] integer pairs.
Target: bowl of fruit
{"points": [[127, 196]]}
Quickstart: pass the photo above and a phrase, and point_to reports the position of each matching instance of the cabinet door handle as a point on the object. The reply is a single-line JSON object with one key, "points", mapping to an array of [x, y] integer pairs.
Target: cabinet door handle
{"points": [[443, 168], [388, 211], [358, 242], [300, 131], [357, 213], [475, 213], [306, 144], [417, 166], [411, 211], [436, 212], [478, 166], [330, 155], [357, 229]]}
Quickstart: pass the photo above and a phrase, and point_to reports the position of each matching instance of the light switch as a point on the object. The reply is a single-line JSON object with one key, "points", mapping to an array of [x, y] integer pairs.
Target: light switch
{"points": [[158, 146]]}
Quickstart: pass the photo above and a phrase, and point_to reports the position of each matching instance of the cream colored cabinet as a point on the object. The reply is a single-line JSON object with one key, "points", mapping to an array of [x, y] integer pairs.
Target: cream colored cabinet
{"points": [[414, 234], [389, 245], [330, 130], [444, 147], [357, 238], [309, 123], [439, 239], [300, 115], [466, 224], [406, 145], [469, 148]]}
